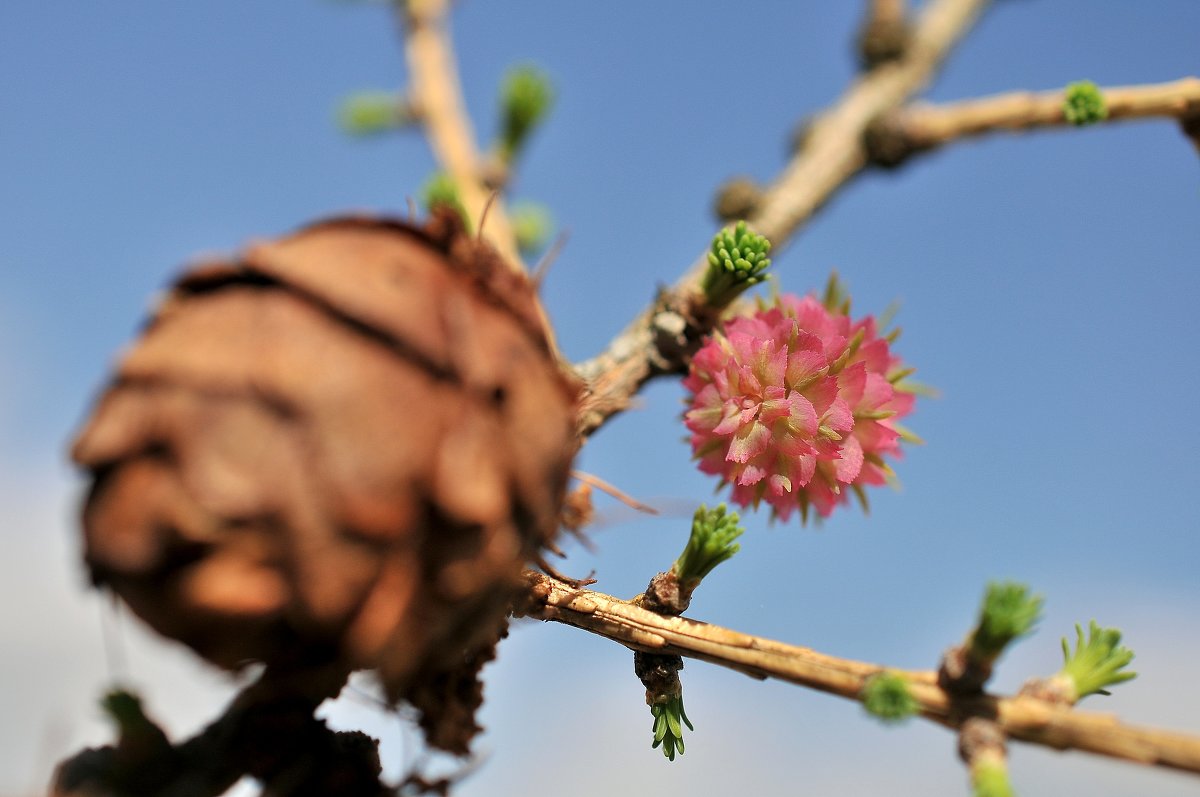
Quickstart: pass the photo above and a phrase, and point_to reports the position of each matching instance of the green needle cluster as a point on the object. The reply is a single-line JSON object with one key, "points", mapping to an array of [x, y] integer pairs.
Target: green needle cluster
{"points": [[526, 96], [1084, 104], [369, 113], [887, 697], [441, 191], [1008, 612], [710, 544], [736, 261], [669, 719], [1096, 663], [532, 226]]}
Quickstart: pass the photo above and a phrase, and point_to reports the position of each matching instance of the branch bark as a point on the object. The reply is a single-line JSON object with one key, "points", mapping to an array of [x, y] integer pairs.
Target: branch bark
{"points": [[1023, 718], [436, 90], [917, 128], [267, 732], [833, 154]]}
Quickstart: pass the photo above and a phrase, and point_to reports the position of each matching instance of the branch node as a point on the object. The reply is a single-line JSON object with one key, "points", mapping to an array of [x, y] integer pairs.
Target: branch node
{"points": [[888, 142], [737, 198]]}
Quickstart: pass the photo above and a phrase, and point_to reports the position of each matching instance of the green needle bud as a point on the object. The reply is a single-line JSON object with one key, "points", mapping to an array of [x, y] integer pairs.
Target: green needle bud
{"points": [[1084, 104], [887, 697], [669, 719], [532, 225], [369, 113], [736, 261], [710, 544], [1096, 663], [526, 96], [1008, 612], [441, 191]]}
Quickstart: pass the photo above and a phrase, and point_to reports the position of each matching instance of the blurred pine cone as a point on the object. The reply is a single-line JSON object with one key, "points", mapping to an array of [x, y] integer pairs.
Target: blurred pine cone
{"points": [[342, 444]]}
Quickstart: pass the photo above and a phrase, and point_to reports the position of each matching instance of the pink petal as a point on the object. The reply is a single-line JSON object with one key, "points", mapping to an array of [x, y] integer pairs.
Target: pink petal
{"points": [[847, 468], [822, 393], [748, 442], [839, 417], [877, 392]]}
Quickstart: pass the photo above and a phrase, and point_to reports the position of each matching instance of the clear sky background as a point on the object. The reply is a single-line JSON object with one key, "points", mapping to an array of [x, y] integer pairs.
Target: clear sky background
{"points": [[1049, 286]]}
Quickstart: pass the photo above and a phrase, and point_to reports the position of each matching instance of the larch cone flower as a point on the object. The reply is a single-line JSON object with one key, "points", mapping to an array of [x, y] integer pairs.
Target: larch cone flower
{"points": [[796, 405], [341, 445]]}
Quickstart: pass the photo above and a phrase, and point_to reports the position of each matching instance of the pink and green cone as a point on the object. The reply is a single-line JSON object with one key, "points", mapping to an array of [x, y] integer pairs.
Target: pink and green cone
{"points": [[796, 405]]}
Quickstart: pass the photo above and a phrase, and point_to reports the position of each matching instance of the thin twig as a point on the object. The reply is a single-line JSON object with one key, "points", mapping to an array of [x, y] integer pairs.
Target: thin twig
{"points": [[922, 127], [1023, 718], [832, 155], [617, 493], [435, 87]]}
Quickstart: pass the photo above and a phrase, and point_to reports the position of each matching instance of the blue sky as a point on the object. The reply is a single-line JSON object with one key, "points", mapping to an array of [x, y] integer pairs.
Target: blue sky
{"points": [[1048, 282]]}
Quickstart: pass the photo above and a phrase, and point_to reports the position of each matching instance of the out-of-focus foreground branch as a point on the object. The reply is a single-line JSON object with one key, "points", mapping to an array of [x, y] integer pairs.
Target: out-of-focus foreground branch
{"points": [[268, 732], [1026, 718]]}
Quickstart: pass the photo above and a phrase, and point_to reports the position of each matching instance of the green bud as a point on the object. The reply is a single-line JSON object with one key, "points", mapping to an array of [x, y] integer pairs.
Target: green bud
{"points": [[441, 191], [669, 719], [1008, 612], [1096, 663], [526, 96], [736, 261], [991, 780], [711, 543], [887, 697], [369, 113], [532, 225], [1084, 104]]}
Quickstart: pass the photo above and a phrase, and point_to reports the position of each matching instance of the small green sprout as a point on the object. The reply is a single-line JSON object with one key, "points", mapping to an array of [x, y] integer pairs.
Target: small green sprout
{"points": [[887, 697], [736, 261], [669, 719], [525, 98], [441, 190], [710, 544], [1084, 104], [532, 226], [1008, 612], [369, 113], [990, 779], [1096, 663]]}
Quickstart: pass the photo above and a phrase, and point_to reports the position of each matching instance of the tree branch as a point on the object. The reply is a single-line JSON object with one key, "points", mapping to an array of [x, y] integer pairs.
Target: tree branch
{"points": [[435, 89], [267, 732], [906, 131], [1025, 718], [655, 343]]}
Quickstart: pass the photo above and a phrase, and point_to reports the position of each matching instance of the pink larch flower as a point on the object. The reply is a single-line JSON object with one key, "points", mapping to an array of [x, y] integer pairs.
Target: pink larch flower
{"points": [[794, 404]]}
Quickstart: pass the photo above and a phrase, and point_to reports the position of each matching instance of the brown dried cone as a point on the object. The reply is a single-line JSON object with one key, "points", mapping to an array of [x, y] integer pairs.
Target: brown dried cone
{"points": [[340, 444]]}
